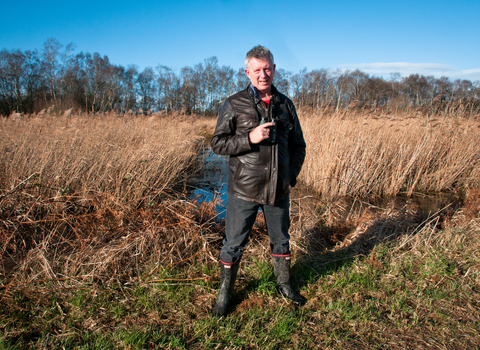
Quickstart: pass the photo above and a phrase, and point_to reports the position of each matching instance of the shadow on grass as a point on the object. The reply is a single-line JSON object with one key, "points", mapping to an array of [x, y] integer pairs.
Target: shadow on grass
{"points": [[329, 248]]}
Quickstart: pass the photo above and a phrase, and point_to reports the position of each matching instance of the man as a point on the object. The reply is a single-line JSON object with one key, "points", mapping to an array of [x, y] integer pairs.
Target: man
{"points": [[258, 129]]}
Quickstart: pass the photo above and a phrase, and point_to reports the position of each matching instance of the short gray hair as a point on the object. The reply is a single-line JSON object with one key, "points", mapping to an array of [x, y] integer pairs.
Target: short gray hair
{"points": [[258, 52]]}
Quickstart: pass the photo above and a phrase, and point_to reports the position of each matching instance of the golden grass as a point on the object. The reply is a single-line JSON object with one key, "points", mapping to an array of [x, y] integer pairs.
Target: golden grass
{"points": [[87, 195], [126, 158], [71, 185], [355, 153]]}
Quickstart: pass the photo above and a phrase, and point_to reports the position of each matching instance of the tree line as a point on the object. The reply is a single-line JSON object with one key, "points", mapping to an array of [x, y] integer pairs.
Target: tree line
{"points": [[56, 77]]}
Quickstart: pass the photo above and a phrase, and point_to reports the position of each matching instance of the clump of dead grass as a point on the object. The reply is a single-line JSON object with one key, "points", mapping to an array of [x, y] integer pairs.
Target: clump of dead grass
{"points": [[332, 230], [129, 251]]}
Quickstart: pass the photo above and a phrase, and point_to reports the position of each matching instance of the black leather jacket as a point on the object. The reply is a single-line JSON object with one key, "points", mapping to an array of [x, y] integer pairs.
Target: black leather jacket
{"points": [[260, 172]]}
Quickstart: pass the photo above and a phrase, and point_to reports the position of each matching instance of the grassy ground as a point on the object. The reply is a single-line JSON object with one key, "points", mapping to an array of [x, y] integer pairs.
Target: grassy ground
{"points": [[399, 281], [113, 270]]}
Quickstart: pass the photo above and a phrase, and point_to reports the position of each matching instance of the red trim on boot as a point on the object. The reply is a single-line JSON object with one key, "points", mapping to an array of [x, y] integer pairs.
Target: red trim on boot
{"points": [[282, 256], [228, 265]]}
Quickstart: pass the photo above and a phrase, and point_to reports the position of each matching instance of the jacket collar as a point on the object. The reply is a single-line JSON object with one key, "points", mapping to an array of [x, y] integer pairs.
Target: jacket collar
{"points": [[255, 92]]}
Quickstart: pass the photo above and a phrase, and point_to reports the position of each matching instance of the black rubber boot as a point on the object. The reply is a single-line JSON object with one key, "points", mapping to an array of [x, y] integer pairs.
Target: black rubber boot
{"points": [[227, 284], [281, 267]]}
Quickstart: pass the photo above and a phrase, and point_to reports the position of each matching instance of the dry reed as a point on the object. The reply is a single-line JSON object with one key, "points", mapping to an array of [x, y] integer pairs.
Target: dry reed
{"points": [[124, 157], [356, 153], [80, 194], [73, 191]]}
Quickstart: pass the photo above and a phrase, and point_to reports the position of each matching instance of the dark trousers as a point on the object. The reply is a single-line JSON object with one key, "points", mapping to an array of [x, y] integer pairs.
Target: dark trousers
{"points": [[240, 218]]}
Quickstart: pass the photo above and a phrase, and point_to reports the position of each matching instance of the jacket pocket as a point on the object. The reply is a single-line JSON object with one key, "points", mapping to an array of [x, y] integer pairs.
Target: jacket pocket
{"points": [[237, 173], [249, 181]]}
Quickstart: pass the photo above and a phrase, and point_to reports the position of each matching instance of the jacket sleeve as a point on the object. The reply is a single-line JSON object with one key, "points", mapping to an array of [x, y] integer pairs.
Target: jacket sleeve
{"points": [[296, 145], [225, 140]]}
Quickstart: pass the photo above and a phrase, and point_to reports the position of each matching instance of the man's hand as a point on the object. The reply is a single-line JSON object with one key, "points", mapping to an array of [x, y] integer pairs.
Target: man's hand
{"points": [[260, 133]]}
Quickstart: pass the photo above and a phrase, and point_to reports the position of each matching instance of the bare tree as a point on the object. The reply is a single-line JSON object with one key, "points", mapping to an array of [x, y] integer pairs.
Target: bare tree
{"points": [[168, 87], [282, 81], [128, 100], [146, 89], [12, 66], [189, 92], [50, 66], [32, 80], [66, 60]]}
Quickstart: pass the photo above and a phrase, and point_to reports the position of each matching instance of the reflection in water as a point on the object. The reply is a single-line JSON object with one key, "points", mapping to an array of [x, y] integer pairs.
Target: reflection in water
{"points": [[211, 183]]}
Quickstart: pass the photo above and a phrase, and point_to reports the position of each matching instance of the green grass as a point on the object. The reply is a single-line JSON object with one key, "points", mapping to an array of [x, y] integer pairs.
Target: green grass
{"points": [[416, 297], [417, 289]]}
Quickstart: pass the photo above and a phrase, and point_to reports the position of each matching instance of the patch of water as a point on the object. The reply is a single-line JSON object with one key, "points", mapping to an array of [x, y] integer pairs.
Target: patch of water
{"points": [[212, 182], [428, 203]]}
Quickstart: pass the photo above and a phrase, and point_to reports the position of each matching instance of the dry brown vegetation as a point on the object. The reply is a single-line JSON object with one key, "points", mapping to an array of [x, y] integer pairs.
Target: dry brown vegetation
{"points": [[99, 196], [69, 184], [361, 153], [124, 157], [92, 214]]}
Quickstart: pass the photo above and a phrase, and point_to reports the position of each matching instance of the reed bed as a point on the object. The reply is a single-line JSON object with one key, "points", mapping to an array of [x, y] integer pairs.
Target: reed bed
{"points": [[355, 153], [70, 185], [99, 249], [125, 157], [398, 280]]}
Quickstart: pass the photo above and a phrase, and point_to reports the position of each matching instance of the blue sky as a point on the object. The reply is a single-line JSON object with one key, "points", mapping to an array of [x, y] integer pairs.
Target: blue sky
{"points": [[378, 37]]}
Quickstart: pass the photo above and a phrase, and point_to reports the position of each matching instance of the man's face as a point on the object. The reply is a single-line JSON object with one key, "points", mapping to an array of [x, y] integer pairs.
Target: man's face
{"points": [[260, 73]]}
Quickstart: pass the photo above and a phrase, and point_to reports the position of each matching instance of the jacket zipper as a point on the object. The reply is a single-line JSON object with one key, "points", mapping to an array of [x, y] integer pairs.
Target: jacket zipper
{"points": [[270, 155]]}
